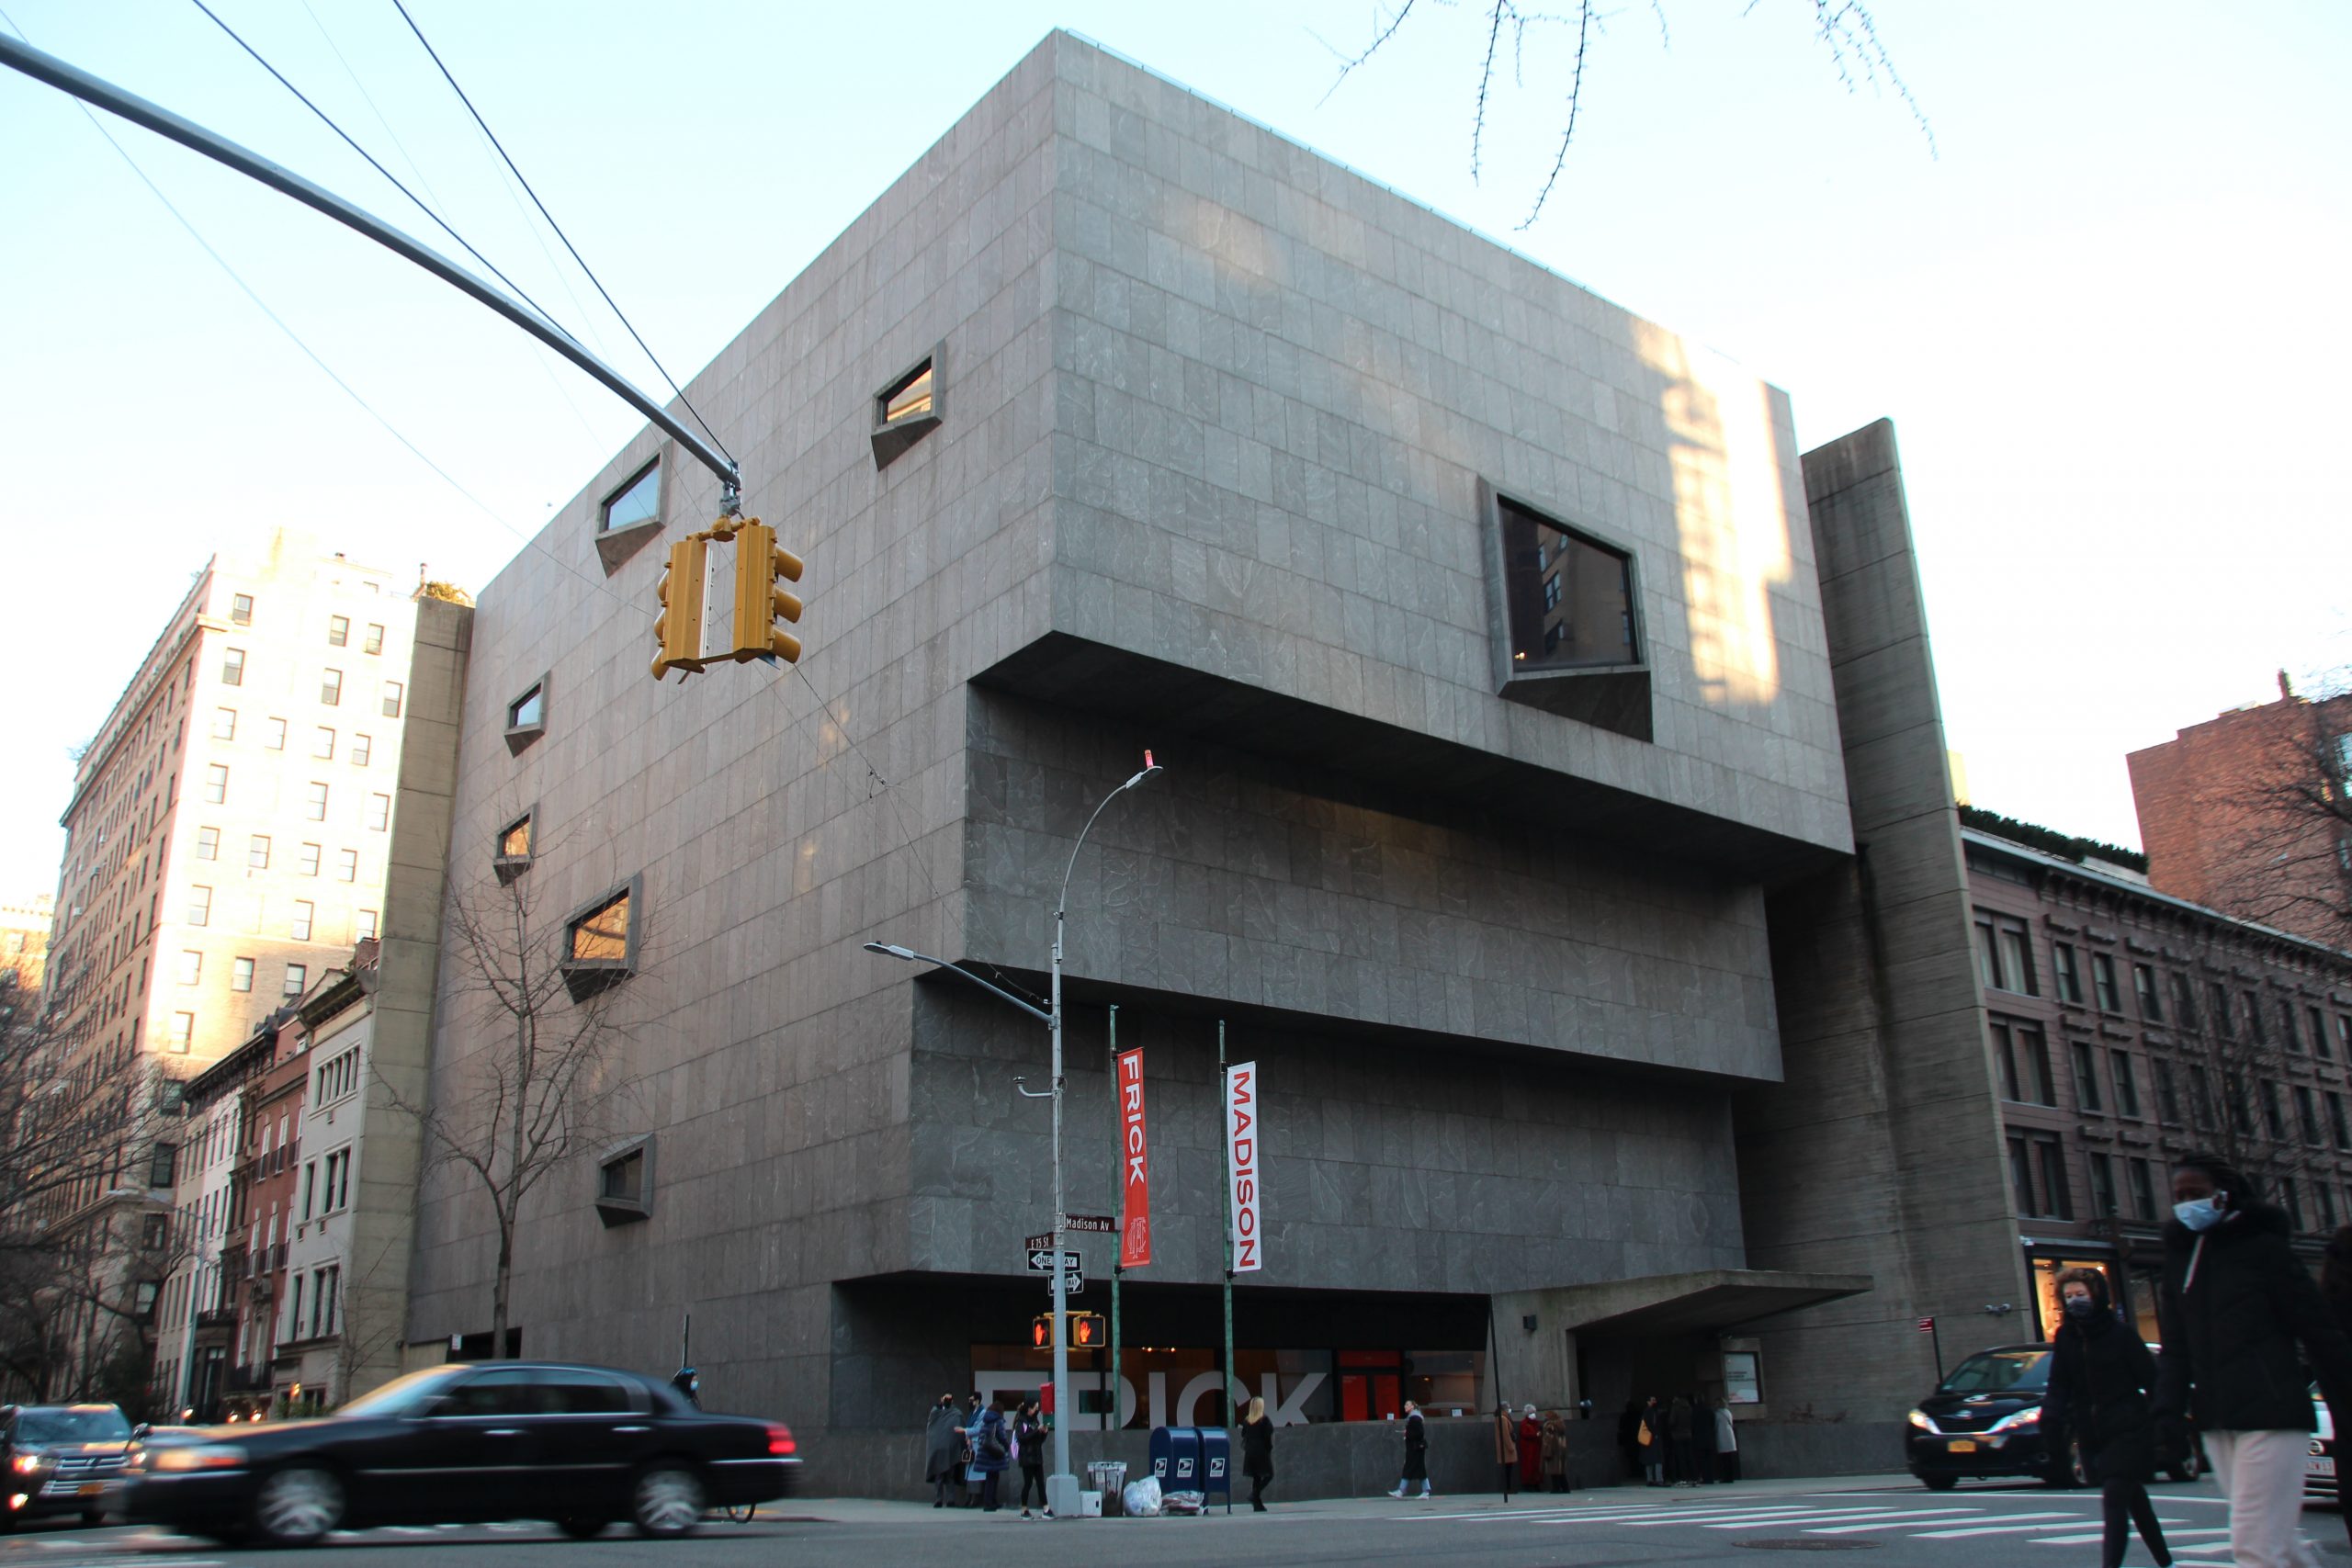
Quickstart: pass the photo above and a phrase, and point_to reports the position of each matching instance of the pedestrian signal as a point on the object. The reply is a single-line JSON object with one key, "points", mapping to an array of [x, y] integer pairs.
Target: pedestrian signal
{"points": [[1041, 1332], [1085, 1331]]}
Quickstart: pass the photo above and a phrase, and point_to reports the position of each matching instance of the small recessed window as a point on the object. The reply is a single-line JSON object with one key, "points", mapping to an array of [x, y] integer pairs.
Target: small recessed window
{"points": [[216, 784], [241, 976], [323, 745], [906, 411], [512, 855], [296, 976], [305, 912], [375, 643], [224, 724], [199, 906], [602, 936], [625, 1178], [360, 746], [391, 699], [331, 687], [338, 631], [309, 860], [347, 865], [600, 942], [257, 852], [233, 666], [208, 844], [315, 804], [241, 609], [183, 1032], [527, 717], [524, 709], [191, 968], [639, 500], [364, 925], [380, 812], [625, 1184], [273, 733]]}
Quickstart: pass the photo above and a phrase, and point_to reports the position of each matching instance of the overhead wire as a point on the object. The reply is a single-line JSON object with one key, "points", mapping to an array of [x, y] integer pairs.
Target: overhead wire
{"points": [[559, 234]]}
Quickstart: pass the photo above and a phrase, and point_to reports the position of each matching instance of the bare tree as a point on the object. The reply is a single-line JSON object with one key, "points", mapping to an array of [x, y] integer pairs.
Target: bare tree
{"points": [[1845, 28], [2284, 855], [541, 1088]]}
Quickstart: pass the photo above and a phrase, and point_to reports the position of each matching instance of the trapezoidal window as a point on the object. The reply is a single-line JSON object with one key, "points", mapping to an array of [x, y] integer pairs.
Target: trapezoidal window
{"points": [[601, 942], [1569, 626], [629, 516], [906, 410]]}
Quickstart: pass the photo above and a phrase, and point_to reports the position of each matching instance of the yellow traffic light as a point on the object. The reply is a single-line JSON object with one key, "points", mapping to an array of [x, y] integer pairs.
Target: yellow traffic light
{"points": [[677, 629], [759, 603]]}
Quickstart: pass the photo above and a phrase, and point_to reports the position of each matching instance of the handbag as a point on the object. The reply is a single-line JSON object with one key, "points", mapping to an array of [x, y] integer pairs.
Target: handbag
{"points": [[1643, 1435]]}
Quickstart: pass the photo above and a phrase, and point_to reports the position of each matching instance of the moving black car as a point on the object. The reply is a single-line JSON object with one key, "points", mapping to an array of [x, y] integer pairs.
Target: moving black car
{"points": [[1987, 1419], [61, 1459], [582, 1447]]}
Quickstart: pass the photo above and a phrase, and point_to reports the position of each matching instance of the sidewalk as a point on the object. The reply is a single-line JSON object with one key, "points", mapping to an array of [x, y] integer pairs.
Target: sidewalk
{"points": [[870, 1510]]}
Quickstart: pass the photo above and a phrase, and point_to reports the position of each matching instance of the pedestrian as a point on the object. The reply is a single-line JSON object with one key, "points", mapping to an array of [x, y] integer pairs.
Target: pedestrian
{"points": [[992, 1453], [1554, 1445], [2233, 1306], [1505, 1449], [1677, 1446], [1258, 1451], [940, 1443], [1726, 1442], [967, 1473], [1531, 1450], [1629, 1436], [1417, 1453], [2099, 1375], [1651, 1435], [1029, 1452]]}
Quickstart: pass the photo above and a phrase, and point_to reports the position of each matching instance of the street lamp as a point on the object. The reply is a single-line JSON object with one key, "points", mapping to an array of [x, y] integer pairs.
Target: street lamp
{"points": [[1061, 1487]]}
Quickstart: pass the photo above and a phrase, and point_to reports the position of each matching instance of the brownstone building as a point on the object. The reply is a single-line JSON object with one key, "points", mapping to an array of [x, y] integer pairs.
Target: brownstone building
{"points": [[2247, 813], [2126, 1026]]}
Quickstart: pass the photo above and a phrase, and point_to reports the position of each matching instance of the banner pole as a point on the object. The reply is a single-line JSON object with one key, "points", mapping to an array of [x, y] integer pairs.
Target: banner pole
{"points": [[1225, 1367], [1119, 1217]]}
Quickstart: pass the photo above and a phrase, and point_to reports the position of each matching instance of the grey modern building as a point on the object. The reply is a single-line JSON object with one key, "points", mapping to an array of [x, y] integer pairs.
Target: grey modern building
{"points": [[1554, 809]]}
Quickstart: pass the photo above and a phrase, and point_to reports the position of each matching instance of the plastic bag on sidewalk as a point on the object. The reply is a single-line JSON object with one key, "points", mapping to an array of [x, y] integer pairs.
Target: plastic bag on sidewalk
{"points": [[1182, 1502], [1140, 1499]]}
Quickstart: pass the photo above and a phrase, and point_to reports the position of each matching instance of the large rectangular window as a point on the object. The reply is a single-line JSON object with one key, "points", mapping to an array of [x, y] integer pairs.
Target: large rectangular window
{"points": [[2337, 1123], [2103, 1203], [2143, 1190], [208, 844], [2306, 1114], [2068, 974], [2058, 1196], [2022, 1053], [361, 746], [2143, 984], [380, 812], [1571, 598], [2184, 1000], [2085, 1077], [347, 865], [224, 724], [199, 906], [2103, 987], [2127, 1087], [375, 643], [241, 977], [2289, 1035], [241, 609], [2167, 1093], [2318, 1033], [315, 801], [257, 852]]}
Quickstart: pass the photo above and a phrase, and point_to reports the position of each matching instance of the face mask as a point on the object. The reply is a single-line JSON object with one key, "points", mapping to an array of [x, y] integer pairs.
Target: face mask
{"points": [[2081, 1306], [2200, 1213]]}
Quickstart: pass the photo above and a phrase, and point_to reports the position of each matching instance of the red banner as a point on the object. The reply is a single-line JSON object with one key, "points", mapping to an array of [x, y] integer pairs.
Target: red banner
{"points": [[1135, 1166], [1241, 1166]]}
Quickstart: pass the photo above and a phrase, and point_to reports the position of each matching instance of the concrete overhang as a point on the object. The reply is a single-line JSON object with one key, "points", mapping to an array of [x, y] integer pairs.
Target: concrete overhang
{"points": [[1710, 1299]]}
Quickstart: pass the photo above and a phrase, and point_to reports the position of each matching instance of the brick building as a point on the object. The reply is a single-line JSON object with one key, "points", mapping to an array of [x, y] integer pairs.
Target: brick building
{"points": [[24, 939], [2126, 1026], [2245, 812]]}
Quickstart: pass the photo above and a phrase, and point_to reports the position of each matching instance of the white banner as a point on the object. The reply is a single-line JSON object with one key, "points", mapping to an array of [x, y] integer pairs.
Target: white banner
{"points": [[1241, 1166]]}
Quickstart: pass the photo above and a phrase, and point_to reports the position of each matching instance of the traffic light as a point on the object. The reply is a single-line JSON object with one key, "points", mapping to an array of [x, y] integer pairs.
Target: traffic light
{"points": [[1085, 1331], [1041, 1332], [677, 629], [759, 603]]}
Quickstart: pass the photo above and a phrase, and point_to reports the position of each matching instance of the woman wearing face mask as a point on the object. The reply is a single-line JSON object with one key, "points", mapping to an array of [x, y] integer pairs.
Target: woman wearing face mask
{"points": [[2235, 1302], [2099, 1377]]}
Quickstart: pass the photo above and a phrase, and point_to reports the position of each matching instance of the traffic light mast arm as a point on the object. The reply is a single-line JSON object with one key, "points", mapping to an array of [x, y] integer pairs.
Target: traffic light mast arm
{"points": [[47, 68]]}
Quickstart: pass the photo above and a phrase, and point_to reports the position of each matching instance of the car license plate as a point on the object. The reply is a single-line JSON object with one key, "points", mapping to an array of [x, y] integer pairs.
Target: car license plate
{"points": [[1960, 1446], [92, 1489], [2324, 1468]]}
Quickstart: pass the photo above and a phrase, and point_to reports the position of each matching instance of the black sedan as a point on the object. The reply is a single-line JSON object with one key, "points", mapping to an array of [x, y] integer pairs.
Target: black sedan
{"points": [[583, 1447]]}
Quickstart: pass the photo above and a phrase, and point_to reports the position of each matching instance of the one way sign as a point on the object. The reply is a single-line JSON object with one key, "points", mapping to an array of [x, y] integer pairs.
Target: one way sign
{"points": [[1041, 1260]]}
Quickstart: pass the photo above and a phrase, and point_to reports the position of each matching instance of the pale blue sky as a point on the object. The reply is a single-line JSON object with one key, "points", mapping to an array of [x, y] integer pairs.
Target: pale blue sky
{"points": [[2109, 320]]}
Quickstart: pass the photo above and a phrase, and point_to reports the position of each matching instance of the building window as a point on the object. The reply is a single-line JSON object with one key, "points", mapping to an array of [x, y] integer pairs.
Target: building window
{"points": [[273, 733], [191, 968], [182, 1034], [208, 844], [2143, 1190], [2336, 1123], [2253, 1029], [2343, 1034], [331, 687], [241, 610], [2291, 1198], [2085, 1078], [2022, 1053], [233, 666], [375, 643], [2021, 1175], [2326, 1197], [511, 855], [2218, 1002], [323, 745], [2103, 989], [364, 927], [2318, 1033], [527, 717], [393, 694], [163, 1166], [625, 1183], [2288, 1033], [296, 976], [309, 860], [347, 865], [637, 500], [2306, 1114], [2127, 1087], [2058, 1196], [2069, 979], [199, 906], [2184, 1000], [338, 631], [257, 852], [241, 976], [600, 940], [315, 801], [2143, 984], [905, 410], [305, 913], [2200, 1099], [224, 724], [380, 812], [361, 746], [2103, 1187], [1590, 622], [216, 784]]}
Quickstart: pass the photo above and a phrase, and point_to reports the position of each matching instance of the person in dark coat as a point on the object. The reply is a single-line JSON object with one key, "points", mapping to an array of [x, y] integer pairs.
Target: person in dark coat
{"points": [[2099, 1377], [942, 1445], [1029, 1440], [1531, 1450], [1505, 1449], [1677, 1445], [1417, 1452], [1553, 1445], [2234, 1306], [1652, 1421], [992, 1453], [1258, 1451]]}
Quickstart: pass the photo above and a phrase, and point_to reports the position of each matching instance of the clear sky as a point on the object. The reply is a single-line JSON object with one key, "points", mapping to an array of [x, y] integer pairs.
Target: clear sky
{"points": [[2108, 312]]}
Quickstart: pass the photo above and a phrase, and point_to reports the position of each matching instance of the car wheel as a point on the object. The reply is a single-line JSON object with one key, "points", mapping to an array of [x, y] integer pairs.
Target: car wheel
{"points": [[1935, 1482], [295, 1507], [667, 1501], [581, 1529]]}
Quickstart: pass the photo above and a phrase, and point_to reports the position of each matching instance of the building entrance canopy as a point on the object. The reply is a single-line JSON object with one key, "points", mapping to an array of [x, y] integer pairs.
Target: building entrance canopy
{"points": [[1710, 1300]]}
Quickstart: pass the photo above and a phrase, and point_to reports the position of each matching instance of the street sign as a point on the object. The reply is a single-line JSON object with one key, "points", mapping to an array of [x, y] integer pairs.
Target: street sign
{"points": [[1041, 1260], [1072, 1282], [1089, 1225]]}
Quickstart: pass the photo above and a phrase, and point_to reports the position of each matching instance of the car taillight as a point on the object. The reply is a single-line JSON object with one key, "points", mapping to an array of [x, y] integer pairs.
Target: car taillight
{"points": [[780, 1440]]}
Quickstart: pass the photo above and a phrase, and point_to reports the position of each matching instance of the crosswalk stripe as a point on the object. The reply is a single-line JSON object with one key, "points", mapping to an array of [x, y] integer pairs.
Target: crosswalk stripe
{"points": [[1871, 1525], [1652, 1517], [1856, 1516], [2169, 1537], [2004, 1529]]}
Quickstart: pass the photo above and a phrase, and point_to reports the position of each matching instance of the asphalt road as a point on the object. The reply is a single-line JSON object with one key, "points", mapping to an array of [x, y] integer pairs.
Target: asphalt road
{"points": [[1898, 1524]]}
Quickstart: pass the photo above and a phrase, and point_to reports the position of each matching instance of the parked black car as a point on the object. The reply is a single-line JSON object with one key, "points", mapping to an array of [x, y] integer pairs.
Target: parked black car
{"points": [[1986, 1420], [61, 1459], [582, 1447]]}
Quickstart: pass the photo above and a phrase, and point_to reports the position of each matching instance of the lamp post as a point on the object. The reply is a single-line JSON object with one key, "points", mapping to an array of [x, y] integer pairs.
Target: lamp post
{"points": [[1061, 1487]]}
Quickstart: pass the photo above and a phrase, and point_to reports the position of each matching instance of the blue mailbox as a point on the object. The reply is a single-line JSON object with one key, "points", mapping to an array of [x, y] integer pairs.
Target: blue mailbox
{"points": [[1176, 1458], [1216, 1462]]}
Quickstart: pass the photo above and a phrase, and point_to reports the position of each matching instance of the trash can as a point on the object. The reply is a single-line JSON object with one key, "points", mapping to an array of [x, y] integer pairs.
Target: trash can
{"points": [[1176, 1458], [1216, 1462], [1108, 1476]]}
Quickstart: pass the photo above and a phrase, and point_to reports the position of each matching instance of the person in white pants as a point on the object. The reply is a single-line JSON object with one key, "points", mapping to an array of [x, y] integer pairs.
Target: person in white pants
{"points": [[2233, 1306]]}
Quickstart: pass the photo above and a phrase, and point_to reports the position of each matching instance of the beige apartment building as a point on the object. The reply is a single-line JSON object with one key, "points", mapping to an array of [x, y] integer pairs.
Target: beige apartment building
{"points": [[24, 939]]}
